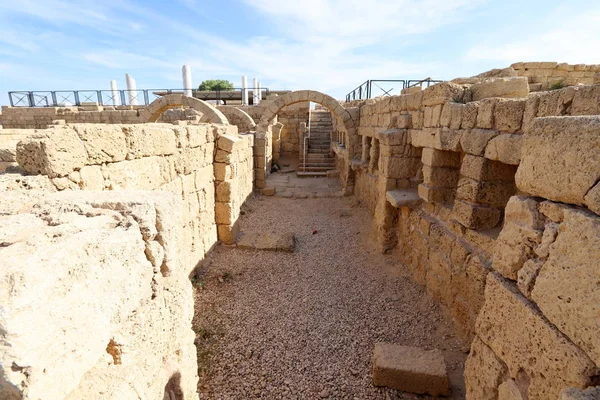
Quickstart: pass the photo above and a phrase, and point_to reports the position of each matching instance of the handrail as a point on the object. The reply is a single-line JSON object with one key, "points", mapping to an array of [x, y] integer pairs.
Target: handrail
{"points": [[365, 90], [122, 97]]}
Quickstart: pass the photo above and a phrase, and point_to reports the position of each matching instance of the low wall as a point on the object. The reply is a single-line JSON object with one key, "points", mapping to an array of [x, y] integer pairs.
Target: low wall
{"points": [[481, 200], [546, 74], [41, 117], [137, 207], [96, 312]]}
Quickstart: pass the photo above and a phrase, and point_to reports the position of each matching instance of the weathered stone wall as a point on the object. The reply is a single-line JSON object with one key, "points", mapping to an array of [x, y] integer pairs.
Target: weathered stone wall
{"points": [[543, 75], [137, 207], [441, 174], [96, 301], [167, 157], [8, 146], [291, 116], [41, 117], [234, 174]]}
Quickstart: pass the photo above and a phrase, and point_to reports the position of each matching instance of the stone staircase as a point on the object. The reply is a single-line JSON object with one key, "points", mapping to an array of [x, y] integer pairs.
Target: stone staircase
{"points": [[319, 159]]}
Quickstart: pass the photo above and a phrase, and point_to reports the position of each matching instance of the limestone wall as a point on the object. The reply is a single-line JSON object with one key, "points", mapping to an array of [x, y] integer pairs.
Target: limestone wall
{"points": [[543, 75], [234, 174], [291, 116], [136, 207], [8, 146], [482, 200], [95, 300], [41, 117], [178, 159]]}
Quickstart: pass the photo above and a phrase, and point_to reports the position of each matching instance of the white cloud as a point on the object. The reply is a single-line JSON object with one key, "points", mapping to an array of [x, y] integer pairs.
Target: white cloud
{"points": [[574, 39]]}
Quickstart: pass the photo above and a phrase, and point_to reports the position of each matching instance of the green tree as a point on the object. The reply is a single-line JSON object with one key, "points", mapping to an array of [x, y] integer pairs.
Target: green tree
{"points": [[216, 84]]}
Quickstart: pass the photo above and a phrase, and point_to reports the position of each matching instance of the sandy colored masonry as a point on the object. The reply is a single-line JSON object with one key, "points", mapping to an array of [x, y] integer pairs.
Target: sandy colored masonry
{"points": [[486, 188]]}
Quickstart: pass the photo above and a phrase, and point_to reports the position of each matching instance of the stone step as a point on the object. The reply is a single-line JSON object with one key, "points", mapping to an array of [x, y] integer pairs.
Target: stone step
{"points": [[315, 169], [311, 173]]}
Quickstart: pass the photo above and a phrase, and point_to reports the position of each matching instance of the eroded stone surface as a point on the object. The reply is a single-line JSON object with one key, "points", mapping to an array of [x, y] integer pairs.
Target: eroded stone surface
{"points": [[410, 369]]}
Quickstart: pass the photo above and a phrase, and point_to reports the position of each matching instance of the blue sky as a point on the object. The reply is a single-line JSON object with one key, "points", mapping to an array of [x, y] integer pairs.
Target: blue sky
{"points": [[326, 45]]}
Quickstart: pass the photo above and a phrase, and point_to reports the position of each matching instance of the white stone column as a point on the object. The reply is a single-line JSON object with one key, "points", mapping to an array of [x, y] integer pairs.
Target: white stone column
{"points": [[259, 94], [186, 72], [131, 87], [255, 97], [114, 93], [244, 91]]}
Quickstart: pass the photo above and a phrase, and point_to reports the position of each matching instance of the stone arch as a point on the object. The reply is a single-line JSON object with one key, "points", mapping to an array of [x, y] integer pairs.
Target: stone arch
{"points": [[209, 113], [238, 117], [336, 109]]}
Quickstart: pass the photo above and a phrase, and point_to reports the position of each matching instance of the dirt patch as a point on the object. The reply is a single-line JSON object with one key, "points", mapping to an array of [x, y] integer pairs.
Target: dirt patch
{"points": [[303, 324]]}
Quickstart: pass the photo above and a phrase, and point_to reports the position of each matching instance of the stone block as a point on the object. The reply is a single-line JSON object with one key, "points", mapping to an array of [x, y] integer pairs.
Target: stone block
{"points": [[148, 140], [228, 234], [592, 393], [439, 158], [483, 372], [469, 115], [91, 178], [441, 93], [269, 241], [505, 148], [456, 111], [436, 194], [399, 167], [586, 101], [485, 113], [512, 328], [440, 177], [446, 115], [268, 191], [508, 114], [514, 246], [509, 390], [229, 143], [410, 369], [566, 288], [482, 169], [493, 193], [103, 143], [474, 141], [560, 158], [56, 152], [475, 216], [501, 87], [142, 174]]}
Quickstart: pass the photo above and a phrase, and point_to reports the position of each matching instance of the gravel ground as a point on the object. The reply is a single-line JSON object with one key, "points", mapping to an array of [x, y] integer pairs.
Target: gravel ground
{"points": [[302, 325]]}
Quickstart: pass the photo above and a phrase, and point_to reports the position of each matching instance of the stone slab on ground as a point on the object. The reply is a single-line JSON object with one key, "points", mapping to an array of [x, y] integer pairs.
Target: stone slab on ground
{"points": [[285, 242], [403, 198], [410, 369], [268, 191]]}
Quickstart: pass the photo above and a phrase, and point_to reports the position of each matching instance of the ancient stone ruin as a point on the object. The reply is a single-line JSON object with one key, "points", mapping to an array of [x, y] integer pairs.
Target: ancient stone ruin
{"points": [[484, 190]]}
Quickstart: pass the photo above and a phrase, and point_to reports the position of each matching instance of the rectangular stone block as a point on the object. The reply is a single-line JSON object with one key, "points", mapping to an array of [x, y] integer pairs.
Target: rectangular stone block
{"points": [[566, 288], [469, 115], [436, 194], [474, 141], [410, 369], [440, 158], [440, 177], [508, 114], [501, 87], [485, 113], [476, 217], [482, 169], [523, 339], [493, 193], [560, 158]]}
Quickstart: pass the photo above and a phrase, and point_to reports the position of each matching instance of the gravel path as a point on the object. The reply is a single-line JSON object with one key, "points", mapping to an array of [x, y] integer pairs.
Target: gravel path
{"points": [[303, 325]]}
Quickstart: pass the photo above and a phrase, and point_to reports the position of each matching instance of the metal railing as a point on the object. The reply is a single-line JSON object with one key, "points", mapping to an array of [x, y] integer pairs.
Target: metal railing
{"points": [[366, 90], [142, 97]]}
